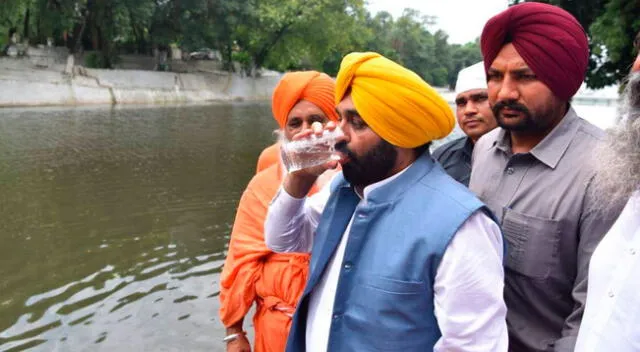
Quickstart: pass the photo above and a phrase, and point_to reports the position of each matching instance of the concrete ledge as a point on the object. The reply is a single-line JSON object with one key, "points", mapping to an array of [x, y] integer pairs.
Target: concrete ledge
{"points": [[26, 86]]}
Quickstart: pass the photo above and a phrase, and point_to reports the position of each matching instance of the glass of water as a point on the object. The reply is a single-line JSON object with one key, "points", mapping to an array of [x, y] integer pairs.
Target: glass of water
{"points": [[311, 151]]}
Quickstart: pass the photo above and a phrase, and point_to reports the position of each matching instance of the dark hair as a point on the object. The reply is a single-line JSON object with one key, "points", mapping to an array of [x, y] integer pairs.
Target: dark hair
{"points": [[419, 150]]}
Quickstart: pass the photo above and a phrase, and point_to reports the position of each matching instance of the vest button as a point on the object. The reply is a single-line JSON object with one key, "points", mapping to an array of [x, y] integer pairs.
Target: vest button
{"points": [[362, 216], [347, 266], [336, 316]]}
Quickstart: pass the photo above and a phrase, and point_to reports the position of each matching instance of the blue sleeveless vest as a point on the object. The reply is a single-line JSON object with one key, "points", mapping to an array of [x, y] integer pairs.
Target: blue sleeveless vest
{"points": [[384, 298]]}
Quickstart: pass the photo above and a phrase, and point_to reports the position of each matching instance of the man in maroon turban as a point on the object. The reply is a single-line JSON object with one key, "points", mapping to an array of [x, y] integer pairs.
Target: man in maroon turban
{"points": [[532, 173]]}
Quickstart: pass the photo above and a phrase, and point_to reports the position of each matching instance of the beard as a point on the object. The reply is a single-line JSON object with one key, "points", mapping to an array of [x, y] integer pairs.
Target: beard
{"points": [[617, 160], [372, 167]]}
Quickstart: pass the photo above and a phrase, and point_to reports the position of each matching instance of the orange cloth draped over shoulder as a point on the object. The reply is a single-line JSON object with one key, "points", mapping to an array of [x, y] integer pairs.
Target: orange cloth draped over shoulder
{"points": [[313, 86], [269, 156], [252, 272]]}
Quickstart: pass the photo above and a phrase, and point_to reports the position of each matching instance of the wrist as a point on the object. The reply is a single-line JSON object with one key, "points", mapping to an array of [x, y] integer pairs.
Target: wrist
{"points": [[234, 336], [298, 186]]}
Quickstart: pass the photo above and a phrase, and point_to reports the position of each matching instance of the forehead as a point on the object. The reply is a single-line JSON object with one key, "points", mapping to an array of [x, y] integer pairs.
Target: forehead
{"points": [[471, 92], [508, 59], [304, 107], [346, 104]]}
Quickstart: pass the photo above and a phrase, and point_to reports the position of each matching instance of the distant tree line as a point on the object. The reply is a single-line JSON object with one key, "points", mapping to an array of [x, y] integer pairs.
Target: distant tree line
{"points": [[274, 34], [289, 34]]}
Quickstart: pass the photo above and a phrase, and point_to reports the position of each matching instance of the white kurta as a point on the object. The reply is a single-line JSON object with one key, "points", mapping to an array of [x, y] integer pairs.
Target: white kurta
{"points": [[611, 320]]}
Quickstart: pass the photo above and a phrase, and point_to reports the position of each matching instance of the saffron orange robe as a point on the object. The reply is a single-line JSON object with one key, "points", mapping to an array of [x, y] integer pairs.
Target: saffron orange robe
{"points": [[252, 273], [269, 156]]}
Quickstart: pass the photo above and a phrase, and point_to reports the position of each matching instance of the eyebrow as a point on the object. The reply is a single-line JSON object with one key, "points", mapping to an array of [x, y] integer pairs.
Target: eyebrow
{"points": [[478, 96], [521, 70], [348, 112], [352, 112], [471, 97]]}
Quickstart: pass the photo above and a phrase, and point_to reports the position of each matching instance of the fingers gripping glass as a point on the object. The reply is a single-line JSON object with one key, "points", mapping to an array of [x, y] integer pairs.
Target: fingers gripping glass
{"points": [[311, 151]]}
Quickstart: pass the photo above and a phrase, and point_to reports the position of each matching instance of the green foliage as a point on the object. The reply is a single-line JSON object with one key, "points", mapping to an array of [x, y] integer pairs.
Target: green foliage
{"points": [[274, 34], [94, 60], [612, 35]]}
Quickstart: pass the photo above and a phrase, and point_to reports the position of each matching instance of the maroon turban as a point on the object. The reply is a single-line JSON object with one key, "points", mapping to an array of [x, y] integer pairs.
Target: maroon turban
{"points": [[549, 39]]}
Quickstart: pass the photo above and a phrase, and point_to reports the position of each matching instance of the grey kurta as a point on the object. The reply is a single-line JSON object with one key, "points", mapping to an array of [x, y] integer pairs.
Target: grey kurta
{"points": [[545, 204]]}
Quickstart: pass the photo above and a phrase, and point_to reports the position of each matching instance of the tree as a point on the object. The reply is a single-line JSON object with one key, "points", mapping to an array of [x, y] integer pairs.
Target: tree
{"points": [[12, 14], [463, 56], [612, 35], [274, 34], [295, 33]]}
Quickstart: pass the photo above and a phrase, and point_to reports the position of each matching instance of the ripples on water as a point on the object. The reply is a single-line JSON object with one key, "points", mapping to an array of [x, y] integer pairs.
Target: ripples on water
{"points": [[115, 223]]}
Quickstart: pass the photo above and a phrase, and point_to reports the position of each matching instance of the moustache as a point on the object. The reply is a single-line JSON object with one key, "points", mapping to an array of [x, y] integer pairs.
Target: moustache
{"points": [[341, 147], [511, 105]]}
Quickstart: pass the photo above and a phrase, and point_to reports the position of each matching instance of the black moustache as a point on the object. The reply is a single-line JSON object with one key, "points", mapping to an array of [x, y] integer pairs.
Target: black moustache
{"points": [[342, 148], [511, 105]]}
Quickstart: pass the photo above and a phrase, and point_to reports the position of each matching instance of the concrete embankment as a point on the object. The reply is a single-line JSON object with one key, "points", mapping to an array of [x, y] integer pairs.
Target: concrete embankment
{"points": [[22, 84]]}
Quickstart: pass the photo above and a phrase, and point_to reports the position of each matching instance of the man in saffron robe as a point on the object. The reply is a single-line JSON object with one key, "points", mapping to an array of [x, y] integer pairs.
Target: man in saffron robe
{"points": [[252, 272]]}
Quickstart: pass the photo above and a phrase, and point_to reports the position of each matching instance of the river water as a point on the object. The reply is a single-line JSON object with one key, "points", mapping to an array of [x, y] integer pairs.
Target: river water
{"points": [[115, 220]]}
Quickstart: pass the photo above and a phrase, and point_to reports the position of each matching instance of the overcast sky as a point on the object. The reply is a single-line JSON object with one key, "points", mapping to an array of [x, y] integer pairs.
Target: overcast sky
{"points": [[463, 20]]}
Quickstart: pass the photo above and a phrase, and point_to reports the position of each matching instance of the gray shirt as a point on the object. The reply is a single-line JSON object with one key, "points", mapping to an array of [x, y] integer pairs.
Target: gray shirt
{"points": [[545, 204]]}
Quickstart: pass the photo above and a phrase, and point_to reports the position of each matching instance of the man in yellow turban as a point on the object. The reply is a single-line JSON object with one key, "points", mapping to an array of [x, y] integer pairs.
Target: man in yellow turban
{"points": [[404, 258]]}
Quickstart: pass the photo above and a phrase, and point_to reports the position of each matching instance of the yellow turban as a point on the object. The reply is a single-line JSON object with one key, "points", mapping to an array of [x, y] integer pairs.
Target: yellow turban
{"points": [[395, 102]]}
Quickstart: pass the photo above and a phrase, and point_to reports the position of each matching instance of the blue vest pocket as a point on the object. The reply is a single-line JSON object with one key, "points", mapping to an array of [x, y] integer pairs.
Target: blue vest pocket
{"points": [[389, 314], [392, 286]]}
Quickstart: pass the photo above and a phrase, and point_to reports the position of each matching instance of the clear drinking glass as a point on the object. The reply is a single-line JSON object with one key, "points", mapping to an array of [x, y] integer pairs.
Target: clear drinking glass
{"points": [[312, 151]]}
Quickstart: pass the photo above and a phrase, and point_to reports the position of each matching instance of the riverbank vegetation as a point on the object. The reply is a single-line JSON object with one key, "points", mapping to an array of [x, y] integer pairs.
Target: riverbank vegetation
{"points": [[286, 34]]}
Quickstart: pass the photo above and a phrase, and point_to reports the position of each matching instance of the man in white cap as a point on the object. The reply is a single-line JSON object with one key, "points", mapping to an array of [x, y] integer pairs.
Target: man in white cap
{"points": [[475, 118]]}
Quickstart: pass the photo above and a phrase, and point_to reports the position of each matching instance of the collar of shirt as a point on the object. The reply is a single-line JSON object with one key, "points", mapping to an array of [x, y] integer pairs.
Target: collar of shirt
{"points": [[463, 144], [552, 147], [467, 147], [367, 190]]}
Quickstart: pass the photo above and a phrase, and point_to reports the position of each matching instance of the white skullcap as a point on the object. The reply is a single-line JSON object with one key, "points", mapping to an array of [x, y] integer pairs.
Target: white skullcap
{"points": [[472, 77]]}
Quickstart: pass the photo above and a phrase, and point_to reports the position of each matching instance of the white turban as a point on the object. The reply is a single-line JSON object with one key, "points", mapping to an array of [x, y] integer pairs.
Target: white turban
{"points": [[472, 77]]}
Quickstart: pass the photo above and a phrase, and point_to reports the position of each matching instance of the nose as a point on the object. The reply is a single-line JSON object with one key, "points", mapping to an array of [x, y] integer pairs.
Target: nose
{"points": [[508, 89], [636, 64], [305, 125], [470, 109], [344, 136]]}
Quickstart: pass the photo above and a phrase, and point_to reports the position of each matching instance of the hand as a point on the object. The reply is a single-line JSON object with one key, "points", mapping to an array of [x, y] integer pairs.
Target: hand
{"points": [[241, 344], [298, 183]]}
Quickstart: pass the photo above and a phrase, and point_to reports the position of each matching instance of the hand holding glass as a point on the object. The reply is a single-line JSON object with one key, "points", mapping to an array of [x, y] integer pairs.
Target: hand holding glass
{"points": [[310, 151]]}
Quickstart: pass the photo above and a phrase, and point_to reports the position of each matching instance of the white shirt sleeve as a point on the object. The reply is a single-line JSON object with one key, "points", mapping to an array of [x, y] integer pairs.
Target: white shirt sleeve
{"points": [[291, 222], [468, 289]]}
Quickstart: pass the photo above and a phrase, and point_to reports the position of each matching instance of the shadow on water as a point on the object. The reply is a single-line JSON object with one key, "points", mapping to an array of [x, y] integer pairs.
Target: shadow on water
{"points": [[115, 222]]}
